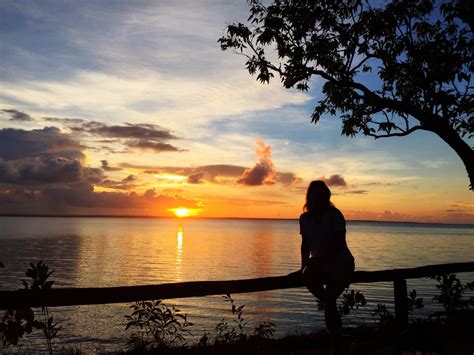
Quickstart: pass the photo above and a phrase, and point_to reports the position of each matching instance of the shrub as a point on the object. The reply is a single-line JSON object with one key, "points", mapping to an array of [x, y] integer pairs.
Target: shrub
{"points": [[156, 326], [452, 292], [18, 322]]}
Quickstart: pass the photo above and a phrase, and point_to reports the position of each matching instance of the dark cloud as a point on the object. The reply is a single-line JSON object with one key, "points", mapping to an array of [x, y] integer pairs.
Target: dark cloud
{"points": [[260, 174], [128, 130], [16, 115], [152, 145], [219, 173], [356, 192], [65, 121], [43, 157], [463, 204], [107, 141], [130, 178], [134, 135], [48, 169], [234, 201], [195, 178], [210, 173], [150, 193], [380, 183], [335, 180], [18, 143], [107, 167], [81, 199], [263, 172], [288, 178], [127, 183], [224, 170], [42, 172]]}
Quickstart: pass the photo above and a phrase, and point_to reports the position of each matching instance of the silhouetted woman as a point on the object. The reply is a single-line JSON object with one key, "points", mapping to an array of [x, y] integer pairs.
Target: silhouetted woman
{"points": [[325, 257]]}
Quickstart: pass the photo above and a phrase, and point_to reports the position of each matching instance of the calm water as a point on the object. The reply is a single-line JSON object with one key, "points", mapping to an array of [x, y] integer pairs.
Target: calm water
{"points": [[98, 252]]}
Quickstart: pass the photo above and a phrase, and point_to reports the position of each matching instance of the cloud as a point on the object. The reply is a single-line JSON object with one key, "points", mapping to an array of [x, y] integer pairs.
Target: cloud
{"points": [[288, 178], [130, 178], [433, 164], [357, 192], [48, 169], [107, 167], [217, 173], [380, 183], [42, 156], [195, 178], [157, 147], [42, 171], [263, 172], [81, 199], [335, 180], [16, 115], [127, 183], [244, 202], [18, 143], [65, 120], [139, 135], [128, 130]]}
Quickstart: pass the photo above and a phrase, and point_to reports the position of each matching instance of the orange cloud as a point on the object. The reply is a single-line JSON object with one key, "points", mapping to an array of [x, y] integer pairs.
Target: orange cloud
{"points": [[263, 172]]}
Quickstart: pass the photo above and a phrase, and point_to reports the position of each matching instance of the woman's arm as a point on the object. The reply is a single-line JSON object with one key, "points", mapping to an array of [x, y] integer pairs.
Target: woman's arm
{"points": [[305, 251]]}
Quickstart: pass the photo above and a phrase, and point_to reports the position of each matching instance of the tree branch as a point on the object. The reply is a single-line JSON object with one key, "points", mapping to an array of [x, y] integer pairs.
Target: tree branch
{"points": [[401, 134]]}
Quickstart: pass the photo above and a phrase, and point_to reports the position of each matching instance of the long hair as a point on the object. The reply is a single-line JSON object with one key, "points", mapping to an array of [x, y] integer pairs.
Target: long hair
{"points": [[318, 198]]}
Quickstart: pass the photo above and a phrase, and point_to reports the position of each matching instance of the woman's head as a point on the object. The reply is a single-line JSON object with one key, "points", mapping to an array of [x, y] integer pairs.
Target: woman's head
{"points": [[318, 198]]}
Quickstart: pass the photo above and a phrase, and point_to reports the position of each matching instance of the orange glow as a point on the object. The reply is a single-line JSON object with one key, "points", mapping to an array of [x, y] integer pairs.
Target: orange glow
{"points": [[182, 212]]}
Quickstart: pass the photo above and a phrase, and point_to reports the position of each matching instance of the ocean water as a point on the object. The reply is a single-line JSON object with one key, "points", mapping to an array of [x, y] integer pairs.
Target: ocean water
{"points": [[100, 252]]}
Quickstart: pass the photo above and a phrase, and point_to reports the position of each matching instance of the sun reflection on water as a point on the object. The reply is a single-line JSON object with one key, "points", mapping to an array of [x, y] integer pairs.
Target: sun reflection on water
{"points": [[179, 251]]}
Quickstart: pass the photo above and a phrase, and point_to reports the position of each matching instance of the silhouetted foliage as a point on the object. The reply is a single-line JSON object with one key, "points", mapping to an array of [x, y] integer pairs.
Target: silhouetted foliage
{"points": [[39, 274], [20, 321], [351, 300], [452, 292], [235, 330], [228, 333], [384, 318], [414, 302], [389, 68], [156, 326]]}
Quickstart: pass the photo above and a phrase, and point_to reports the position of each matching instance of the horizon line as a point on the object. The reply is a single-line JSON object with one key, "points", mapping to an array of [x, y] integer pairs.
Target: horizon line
{"points": [[197, 217]]}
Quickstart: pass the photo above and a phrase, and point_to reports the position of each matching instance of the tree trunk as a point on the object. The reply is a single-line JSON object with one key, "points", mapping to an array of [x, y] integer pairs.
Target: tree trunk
{"points": [[464, 151]]}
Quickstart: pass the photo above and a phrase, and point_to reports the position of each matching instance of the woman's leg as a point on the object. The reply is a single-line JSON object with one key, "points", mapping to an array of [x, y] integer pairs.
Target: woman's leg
{"points": [[340, 279], [313, 279], [331, 316]]}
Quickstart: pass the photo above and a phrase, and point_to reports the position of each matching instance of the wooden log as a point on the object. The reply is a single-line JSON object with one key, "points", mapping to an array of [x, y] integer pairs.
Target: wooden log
{"points": [[412, 273], [84, 296], [103, 295]]}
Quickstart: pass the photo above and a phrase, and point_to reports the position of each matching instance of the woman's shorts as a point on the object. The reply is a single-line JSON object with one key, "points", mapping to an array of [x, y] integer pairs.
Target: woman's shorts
{"points": [[338, 271]]}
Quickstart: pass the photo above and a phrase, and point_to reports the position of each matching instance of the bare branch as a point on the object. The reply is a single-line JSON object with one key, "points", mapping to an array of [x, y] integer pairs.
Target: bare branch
{"points": [[401, 134]]}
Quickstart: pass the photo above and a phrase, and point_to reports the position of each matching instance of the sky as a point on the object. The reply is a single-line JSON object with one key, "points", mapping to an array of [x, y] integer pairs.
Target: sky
{"points": [[131, 108]]}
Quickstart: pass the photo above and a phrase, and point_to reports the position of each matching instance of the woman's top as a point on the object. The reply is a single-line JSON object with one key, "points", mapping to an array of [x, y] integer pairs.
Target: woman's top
{"points": [[317, 234]]}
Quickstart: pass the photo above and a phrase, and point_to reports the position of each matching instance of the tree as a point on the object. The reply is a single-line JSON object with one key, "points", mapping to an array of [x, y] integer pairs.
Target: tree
{"points": [[389, 69]]}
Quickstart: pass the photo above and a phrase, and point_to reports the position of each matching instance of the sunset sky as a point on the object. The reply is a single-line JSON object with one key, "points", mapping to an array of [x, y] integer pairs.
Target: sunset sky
{"points": [[131, 108]]}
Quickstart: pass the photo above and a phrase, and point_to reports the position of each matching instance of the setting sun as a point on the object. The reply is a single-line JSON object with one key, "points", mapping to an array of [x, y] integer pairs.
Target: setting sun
{"points": [[180, 212]]}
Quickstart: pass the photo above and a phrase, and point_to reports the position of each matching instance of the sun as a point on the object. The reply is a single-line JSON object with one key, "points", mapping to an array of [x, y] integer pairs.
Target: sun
{"points": [[180, 212]]}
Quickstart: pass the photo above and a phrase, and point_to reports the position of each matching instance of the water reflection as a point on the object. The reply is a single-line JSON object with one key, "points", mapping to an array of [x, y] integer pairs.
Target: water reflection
{"points": [[93, 252], [179, 251]]}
